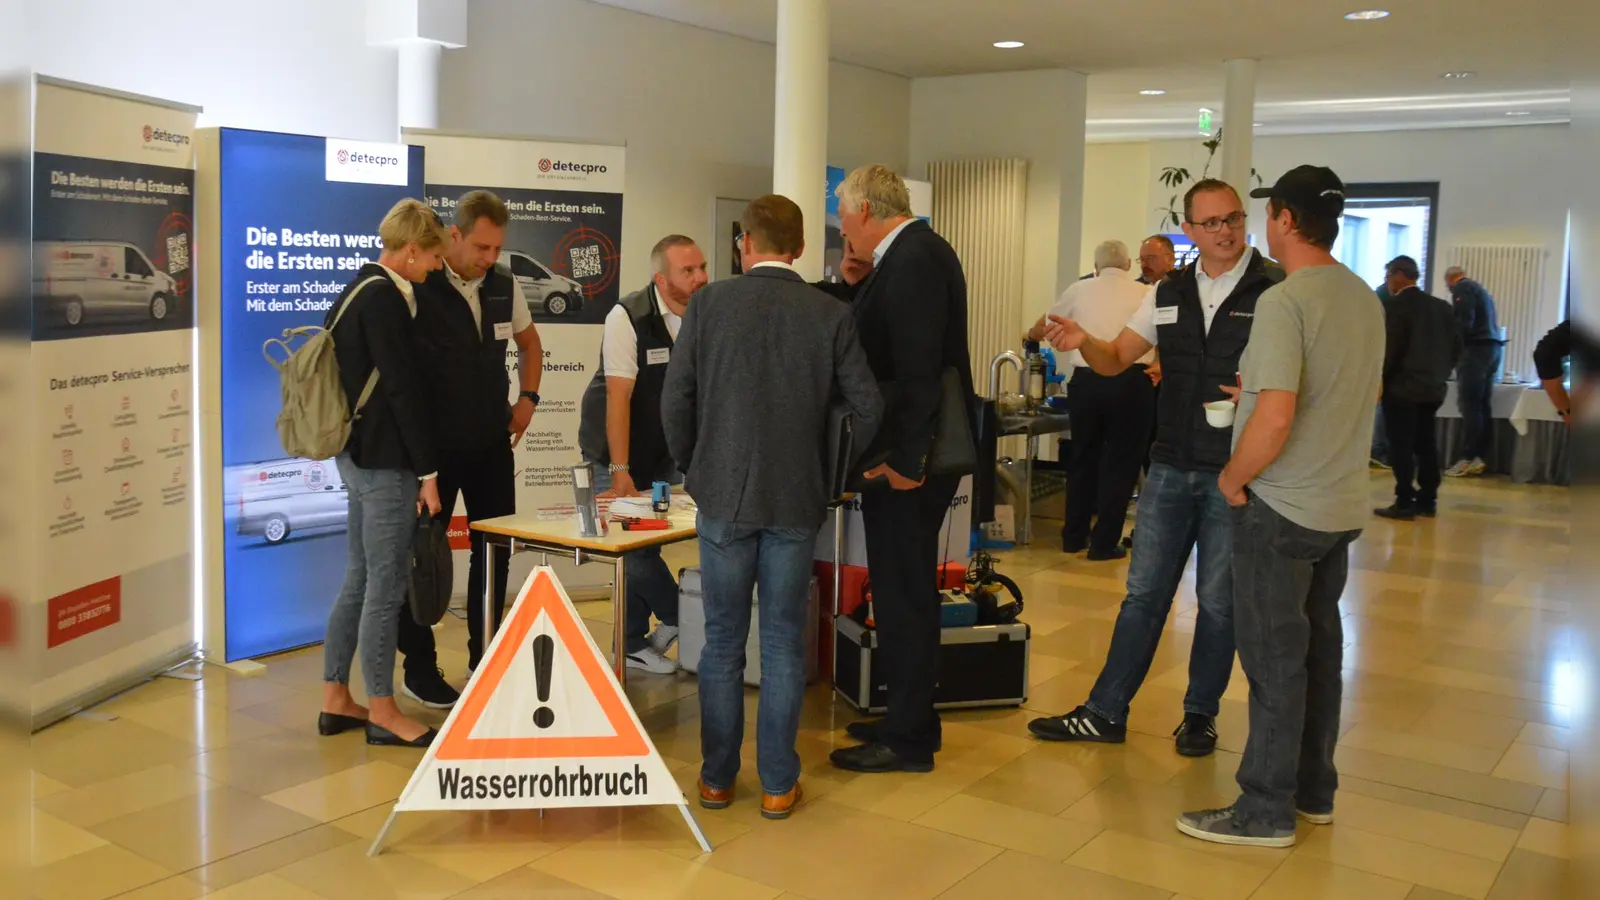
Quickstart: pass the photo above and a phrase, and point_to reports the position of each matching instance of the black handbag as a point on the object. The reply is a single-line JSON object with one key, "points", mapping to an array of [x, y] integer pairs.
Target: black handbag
{"points": [[432, 572], [954, 451]]}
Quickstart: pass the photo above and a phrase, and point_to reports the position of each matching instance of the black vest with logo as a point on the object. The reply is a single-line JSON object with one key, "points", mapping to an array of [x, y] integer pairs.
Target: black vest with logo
{"points": [[469, 384], [648, 458], [1196, 363]]}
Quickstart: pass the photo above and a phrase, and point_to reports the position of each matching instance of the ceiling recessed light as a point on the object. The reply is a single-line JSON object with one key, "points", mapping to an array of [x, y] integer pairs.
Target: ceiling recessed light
{"points": [[1367, 15], [1458, 74], [1008, 45], [1152, 92], [1517, 112]]}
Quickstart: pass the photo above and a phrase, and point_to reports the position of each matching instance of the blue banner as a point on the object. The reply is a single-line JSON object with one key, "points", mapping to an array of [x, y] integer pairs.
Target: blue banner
{"points": [[299, 217]]}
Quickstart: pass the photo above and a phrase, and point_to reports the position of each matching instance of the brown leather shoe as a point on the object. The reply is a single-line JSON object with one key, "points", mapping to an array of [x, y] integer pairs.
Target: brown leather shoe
{"points": [[711, 798], [779, 806]]}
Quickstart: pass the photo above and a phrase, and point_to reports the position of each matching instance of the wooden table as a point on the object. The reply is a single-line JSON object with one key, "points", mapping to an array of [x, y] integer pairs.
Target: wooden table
{"points": [[521, 533]]}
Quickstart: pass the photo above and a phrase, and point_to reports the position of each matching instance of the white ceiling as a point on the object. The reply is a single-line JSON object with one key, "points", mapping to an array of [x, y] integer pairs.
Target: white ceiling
{"points": [[1318, 72]]}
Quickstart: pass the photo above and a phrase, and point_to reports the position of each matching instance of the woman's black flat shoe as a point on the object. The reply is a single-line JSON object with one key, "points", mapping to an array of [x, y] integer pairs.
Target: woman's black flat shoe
{"points": [[378, 736], [333, 723]]}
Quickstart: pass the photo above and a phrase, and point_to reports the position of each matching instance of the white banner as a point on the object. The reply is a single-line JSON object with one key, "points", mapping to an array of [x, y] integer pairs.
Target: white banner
{"points": [[113, 389]]}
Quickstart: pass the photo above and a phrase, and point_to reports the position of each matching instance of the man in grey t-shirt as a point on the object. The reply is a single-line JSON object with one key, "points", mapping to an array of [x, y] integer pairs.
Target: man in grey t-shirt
{"points": [[1298, 485]]}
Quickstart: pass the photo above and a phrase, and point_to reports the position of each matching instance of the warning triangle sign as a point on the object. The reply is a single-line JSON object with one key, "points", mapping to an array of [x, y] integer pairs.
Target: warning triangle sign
{"points": [[542, 723]]}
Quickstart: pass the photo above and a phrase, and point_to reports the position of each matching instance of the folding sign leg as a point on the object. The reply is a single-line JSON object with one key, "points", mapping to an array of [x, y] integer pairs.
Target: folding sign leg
{"points": [[377, 843], [705, 845]]}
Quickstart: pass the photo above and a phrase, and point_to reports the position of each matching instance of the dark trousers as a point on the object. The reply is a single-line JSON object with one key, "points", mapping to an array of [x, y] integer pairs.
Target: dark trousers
{"points": [[902, 532], [1286, 585], [1111, 422], [1474, 392], [484, 478], [1413, 452], [651, 587]]}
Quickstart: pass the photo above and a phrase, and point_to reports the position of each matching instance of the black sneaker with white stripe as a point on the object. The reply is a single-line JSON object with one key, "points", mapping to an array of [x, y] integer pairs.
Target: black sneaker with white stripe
{"points": [[1079, 725], [1197, 736]]}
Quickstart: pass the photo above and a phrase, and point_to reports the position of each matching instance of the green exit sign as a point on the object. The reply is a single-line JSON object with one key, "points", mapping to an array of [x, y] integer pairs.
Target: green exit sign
{"points": [[1205, 121]]}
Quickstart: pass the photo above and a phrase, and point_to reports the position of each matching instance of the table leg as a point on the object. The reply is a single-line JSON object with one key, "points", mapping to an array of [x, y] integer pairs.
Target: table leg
{"points": [[619, 616], [1025, 508], [489, 624], [838, 592]]}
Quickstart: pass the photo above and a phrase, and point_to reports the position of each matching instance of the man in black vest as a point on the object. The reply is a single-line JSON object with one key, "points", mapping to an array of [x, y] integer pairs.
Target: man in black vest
{"points": [[1422, 348], [1200, 317], [620, 430], [467, 314]]}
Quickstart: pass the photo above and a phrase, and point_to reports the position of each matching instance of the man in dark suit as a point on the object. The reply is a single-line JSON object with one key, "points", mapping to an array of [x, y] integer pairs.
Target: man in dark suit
{"points": [[755, 462], [912, 317], [1422, 349]]}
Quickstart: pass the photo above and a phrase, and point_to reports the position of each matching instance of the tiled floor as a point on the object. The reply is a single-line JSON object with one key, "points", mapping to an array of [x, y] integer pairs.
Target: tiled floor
{"points": [[1459, 682]]}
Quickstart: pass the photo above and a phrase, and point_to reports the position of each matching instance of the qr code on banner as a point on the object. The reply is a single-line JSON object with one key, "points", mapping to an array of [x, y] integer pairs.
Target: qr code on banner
{"points": [[586, 261], [177, 253]]}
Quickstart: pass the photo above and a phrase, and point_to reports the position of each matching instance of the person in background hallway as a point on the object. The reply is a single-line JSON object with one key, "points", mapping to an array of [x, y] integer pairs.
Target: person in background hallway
{"points": [[1297, 483], [1380, 435], [854, 270], [757, 471], [621, 430], [1422, 349], [390, 472], [1201, 320], [1112, 416], [468, 311], [1475, 375], [912, 318], [1157, 259]]}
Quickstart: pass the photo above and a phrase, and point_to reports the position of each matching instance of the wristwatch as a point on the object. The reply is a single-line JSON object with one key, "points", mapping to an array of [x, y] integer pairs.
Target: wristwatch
{"points": [[531, 395], [614, 468]]}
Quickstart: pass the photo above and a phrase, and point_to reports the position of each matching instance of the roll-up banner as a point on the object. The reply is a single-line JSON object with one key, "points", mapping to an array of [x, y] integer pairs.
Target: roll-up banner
{"points": [[113, 390], [295, 217], [564, 248], [921, 206]]}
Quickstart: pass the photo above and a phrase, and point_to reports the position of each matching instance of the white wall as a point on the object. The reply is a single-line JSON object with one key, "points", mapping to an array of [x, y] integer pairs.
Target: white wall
{"points": [[291, 65], [1116, 204], [1496, 185], [1037, 116], [695, 107]]}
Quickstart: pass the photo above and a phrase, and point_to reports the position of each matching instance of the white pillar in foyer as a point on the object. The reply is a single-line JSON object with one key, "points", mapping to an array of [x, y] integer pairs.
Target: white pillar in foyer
{"points": [[800, 133], [1238, 124], [419, 30]]}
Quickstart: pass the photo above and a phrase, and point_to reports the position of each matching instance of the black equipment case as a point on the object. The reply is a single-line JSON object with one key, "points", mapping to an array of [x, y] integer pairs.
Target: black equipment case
{"points": [[981, 665]]}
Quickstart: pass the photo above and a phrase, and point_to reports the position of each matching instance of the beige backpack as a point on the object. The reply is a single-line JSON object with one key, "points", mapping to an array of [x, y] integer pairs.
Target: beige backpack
{"points": [[316, 419]]}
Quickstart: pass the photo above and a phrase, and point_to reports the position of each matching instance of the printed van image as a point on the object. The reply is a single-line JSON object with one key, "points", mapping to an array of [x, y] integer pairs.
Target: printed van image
{"points": [[548, 293], [278, 498], [100, 282]]}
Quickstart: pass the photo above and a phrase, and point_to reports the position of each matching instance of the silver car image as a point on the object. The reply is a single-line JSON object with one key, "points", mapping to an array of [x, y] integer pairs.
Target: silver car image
{"points": [[548, 293], [101, 281], [282, 497]]}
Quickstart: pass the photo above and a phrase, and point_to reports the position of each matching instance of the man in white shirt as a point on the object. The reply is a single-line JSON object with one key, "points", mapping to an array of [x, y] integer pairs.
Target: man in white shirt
{"points": [[621, 431], [1201, 319], [1111, 414]]}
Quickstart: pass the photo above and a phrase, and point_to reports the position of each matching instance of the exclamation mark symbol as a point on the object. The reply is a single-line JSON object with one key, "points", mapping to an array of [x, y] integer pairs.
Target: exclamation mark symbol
{"points": [[544, 657]]}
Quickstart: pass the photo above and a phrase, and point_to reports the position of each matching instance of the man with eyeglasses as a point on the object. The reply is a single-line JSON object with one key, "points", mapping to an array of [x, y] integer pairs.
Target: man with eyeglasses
{"points": [[1200, 318]]}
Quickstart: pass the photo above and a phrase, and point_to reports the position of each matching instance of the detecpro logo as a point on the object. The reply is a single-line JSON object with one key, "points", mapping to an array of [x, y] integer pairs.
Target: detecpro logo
{"points": [[344, 157], [162, 136], [363, 162], [556, 165]]}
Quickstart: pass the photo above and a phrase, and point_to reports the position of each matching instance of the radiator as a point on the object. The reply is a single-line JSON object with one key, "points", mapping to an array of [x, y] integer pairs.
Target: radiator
{"points": [[1514, 276], [979, 208]]}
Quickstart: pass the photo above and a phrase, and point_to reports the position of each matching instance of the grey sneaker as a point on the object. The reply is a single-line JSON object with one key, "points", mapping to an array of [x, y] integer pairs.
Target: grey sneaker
{"points": [[1459, 470], [1316, 818], [1222, 826], [651, 661], [662, 639]]}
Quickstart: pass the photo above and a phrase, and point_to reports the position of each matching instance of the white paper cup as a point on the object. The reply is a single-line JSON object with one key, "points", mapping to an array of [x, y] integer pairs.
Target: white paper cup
{"points": [[1219, 413]]}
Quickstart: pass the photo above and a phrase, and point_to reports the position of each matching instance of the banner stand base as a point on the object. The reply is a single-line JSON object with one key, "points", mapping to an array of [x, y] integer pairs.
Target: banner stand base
{"points": [[688, 817]]}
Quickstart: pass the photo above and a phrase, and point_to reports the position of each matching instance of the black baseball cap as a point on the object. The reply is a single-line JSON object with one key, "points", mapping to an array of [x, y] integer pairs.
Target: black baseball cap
{"points": [[1311, 188]]}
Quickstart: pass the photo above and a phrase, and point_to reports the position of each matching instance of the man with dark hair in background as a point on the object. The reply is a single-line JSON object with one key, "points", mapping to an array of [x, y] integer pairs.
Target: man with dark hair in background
{"points": [[1201, 320], [1422, 349], [467, 313], [756, 468], [1297, 487], [620, 430], [1157, 259], [1485, 350]]}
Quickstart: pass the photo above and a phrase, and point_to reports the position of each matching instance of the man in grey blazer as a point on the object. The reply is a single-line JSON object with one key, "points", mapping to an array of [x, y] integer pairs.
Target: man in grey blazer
{"points": [[759, 362]]}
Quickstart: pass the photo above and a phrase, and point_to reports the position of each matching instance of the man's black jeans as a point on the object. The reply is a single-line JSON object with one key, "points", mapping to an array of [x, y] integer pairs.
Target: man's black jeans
{"points": [[1286, 585]]}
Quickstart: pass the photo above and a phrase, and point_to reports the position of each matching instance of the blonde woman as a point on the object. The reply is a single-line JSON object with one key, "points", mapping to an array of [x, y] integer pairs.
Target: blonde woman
{"points": [[388, 469]]}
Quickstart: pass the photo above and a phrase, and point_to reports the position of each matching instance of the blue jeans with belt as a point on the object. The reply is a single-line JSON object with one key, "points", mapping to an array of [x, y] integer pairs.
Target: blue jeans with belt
{"points": [[383, 515], [1178, 511]]}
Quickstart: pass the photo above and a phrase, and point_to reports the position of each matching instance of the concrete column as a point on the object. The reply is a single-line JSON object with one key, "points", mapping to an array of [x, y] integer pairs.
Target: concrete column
{"points": [[1238, 123], [800, 133], [418, 87]]}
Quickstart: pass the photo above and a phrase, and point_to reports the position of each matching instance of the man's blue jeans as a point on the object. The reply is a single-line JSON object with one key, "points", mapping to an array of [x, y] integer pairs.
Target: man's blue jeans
{"points": [[1177, 511], [774, 563]]}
